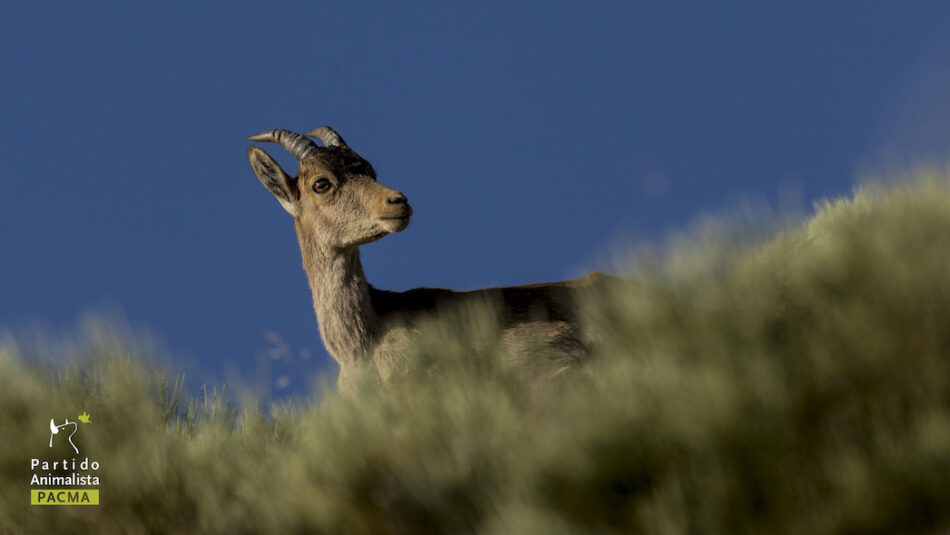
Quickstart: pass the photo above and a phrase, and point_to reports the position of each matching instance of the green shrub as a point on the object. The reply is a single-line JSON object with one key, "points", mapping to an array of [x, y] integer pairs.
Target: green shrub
{"points": [[796, 385]]}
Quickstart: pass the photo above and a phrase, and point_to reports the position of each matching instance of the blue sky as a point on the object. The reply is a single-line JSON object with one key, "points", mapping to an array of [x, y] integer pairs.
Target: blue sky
{"points": [[527, 136]]}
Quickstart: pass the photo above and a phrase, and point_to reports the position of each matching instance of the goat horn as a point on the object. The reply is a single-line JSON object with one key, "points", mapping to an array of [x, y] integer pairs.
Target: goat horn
{"points": [[328, 136], [296, 144]]}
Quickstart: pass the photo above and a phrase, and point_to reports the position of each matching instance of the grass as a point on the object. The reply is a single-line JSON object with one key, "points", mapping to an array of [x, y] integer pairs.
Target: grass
{"points": [[797, 384]]}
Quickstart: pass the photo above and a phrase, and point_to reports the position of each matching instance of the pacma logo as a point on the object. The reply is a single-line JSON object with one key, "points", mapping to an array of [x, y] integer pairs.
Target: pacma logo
{"points": [[55, 429], [65, 481]]}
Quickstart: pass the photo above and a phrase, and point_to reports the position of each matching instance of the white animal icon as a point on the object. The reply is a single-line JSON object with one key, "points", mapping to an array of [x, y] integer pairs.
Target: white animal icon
{"points": [[54, 429]]}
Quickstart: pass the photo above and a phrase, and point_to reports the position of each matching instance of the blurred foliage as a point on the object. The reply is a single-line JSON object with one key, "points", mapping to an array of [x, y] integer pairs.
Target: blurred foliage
{"points": [[800, 384]]}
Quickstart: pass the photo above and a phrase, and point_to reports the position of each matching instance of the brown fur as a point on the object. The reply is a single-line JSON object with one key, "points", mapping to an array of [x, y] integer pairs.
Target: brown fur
{"points": [[363, 327]]}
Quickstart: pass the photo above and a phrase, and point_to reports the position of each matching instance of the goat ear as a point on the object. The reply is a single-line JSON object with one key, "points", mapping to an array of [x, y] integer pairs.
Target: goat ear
{"points": [[275, 179]]}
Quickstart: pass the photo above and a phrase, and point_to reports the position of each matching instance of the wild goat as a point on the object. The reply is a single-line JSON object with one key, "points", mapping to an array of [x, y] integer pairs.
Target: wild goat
{"points": [[338, 205]]}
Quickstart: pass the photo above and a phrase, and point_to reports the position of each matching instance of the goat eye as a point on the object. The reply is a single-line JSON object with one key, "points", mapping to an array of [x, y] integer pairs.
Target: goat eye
{"points": [[321, 185]]}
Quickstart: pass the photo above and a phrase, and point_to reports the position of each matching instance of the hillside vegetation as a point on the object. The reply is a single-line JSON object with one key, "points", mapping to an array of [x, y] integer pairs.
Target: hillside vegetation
{"points": [[799, 384]]}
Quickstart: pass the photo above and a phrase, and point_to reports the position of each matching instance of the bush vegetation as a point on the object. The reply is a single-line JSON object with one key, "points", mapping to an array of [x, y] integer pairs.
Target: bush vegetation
{"points": [[796, 384]]}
